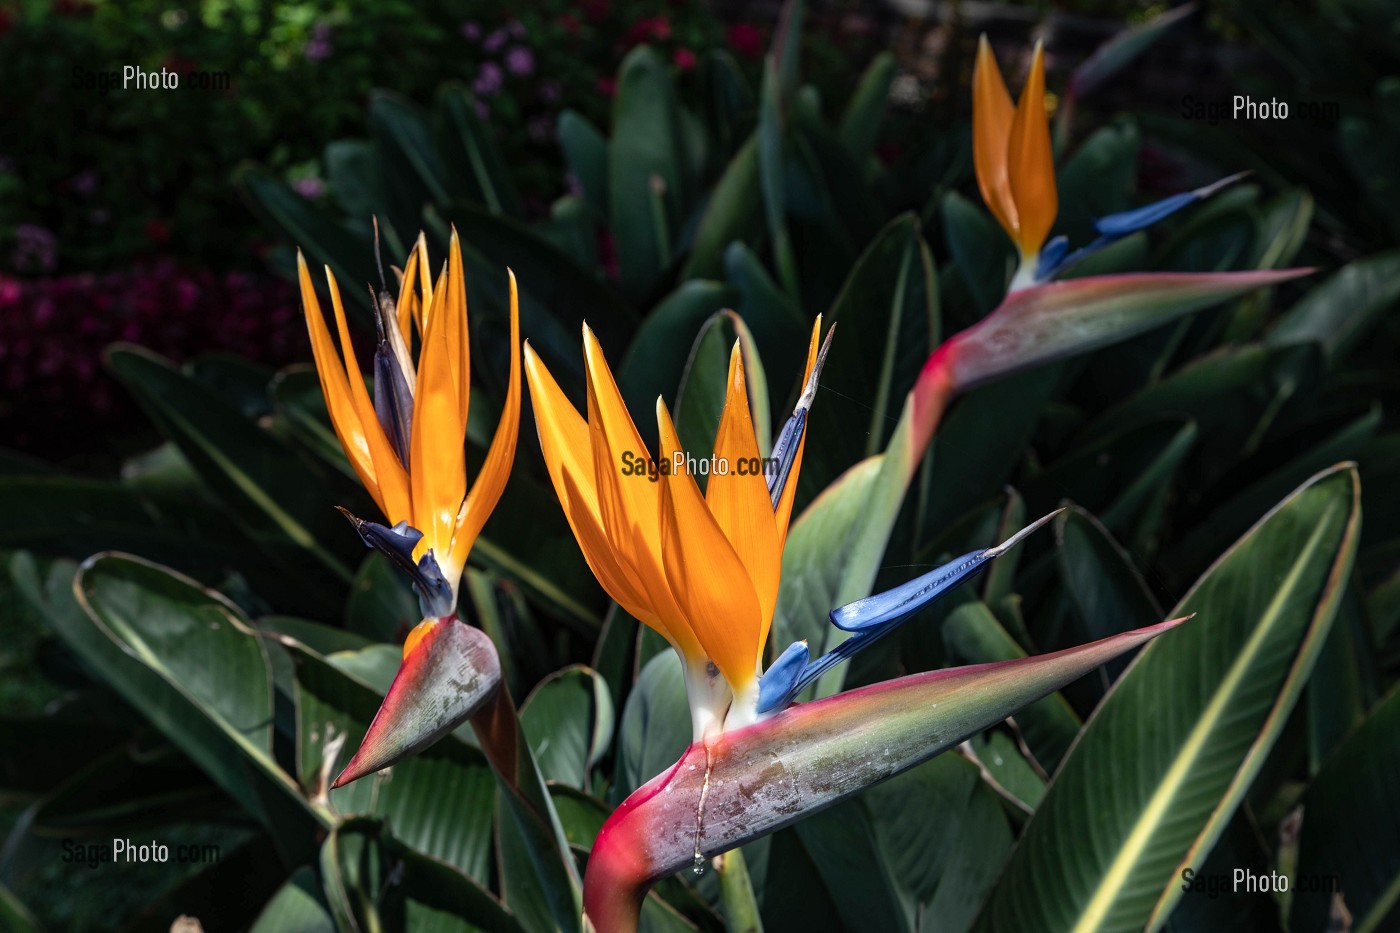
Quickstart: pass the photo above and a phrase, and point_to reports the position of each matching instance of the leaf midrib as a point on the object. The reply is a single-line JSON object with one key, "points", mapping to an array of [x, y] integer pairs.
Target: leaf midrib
{"points": [[1156, 809]]}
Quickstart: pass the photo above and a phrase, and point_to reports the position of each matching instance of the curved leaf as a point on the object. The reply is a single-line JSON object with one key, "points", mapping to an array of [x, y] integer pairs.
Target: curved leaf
{"points": [[645, 177], [373, 881], [186, 660], [1351, 827], [568, 720], [255, 474], [1339, 312], [1166, 759]]}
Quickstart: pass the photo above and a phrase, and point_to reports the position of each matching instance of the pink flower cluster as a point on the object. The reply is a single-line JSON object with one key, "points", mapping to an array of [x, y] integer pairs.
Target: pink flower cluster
{"points": [[53, 331]]}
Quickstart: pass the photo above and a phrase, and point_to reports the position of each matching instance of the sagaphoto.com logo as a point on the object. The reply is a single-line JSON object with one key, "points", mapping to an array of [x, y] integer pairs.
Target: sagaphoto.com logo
{"points": [[95, 853], [652, 469], [170, 75]]}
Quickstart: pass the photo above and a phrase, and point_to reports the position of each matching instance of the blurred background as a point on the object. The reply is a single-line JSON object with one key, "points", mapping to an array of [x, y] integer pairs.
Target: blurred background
{"points": [[169, 219]]}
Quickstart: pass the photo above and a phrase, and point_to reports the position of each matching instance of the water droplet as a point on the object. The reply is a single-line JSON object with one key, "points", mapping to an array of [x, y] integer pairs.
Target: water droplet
{"points": [[698, 866]]}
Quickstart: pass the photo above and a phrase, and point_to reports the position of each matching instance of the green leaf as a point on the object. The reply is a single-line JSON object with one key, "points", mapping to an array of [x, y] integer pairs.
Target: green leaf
{"points": [[655, 726], [568, 719], [645, 194], [1351, 821], [1371, 145], [539, 879], [231, 888], [1124, 48], [700, 399], [128, 789], [978, 463], [780, 330], [732, 215], [586, 154], [1164, 762], [527, 539], [298, 905], [974, 636], [886, 320], [1230, 518], [1336, 694], [1216, 236], [438, 800], [373, 881], [375, 666], [38, 753], [572, 229], [355, 177], [545, 272], [382, 606], [1096, 180], [771, 135], [860, 124], [737, 899], [835, 547], [655, 360], [1231, 387], [842, 845], [1283, 227], [185, 659], [467, 144], [1342, 310], [14, 915], [258, 478], [301, 407], [1119, 475], [1280, 230], [323, 639], [412, 169], [1105, 589], [323, 238], [944, 835], [543, 902], [728, 99], [1012, 774], [981, 251], [705, 384], [238, 381], [74, 517]]}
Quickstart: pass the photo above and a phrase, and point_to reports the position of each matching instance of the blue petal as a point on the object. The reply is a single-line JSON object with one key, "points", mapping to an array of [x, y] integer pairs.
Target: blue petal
{"points": [[903, 601], [1126, 222], [397, 544], [1051, 258], [435, 597], [778, 684], [790, 437], [1044, 271], [874, 617]]}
